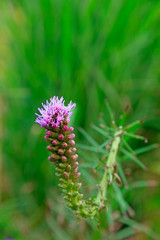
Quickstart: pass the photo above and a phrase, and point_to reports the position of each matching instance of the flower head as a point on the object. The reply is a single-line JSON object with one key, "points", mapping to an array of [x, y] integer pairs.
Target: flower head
{"points": [[54, 113]]}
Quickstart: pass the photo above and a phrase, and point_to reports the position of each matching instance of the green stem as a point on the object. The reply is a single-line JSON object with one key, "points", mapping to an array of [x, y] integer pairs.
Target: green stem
{"points": [[107, 177]]}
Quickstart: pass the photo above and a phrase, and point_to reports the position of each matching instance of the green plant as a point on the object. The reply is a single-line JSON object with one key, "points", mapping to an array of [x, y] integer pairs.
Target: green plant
{"points": [[55, 117]]}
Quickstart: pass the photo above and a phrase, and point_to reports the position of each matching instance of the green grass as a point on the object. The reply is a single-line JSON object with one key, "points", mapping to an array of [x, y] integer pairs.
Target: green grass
{"points": [[87, 51]]}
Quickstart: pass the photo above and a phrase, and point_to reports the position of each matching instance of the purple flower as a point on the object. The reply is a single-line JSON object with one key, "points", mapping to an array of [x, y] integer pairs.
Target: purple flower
{"points": [[54, 113]]}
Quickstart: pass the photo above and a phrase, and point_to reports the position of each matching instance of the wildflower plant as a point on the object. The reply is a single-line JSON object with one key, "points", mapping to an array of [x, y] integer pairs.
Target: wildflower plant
{"points": [[55, 118]]}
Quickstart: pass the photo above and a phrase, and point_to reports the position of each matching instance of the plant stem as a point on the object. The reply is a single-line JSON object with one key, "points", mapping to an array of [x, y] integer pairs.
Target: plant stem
{"points": [[107, 177]]}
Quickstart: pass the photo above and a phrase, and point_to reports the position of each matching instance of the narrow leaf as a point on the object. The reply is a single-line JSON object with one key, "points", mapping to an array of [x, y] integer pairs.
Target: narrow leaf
{"points": [[146, 149], [88, 137], [100, 130], [132, 157], [136, 136], [122, 175], [109, 111], [92, 149], [140, 227], [133, 126]]}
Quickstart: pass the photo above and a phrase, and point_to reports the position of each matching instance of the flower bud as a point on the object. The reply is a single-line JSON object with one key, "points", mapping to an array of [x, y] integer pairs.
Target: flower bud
{"points": [[65, 128], [69, 151], [76, 164], [55, 142], [72, 142], [60, 137], [64, 145], [79, 174], [64, 159], [71, 129], [60, 151], [51, 148], [52, 159], [51, 134], [61, 165], [75, 170], [65, 175], [74, 150], [48, 139], [69, 137], [55, 156], [69, 167], [74, 157], [48, 133]]}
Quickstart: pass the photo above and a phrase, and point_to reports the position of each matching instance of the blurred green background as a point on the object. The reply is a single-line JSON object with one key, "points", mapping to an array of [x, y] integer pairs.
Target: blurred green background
{"points": [[86, 51]]}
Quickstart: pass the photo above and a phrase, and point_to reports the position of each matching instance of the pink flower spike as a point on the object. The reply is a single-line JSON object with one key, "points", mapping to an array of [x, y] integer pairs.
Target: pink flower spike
{"points": [[61, 137], [45, 137], [73, 135], [54, 113]]}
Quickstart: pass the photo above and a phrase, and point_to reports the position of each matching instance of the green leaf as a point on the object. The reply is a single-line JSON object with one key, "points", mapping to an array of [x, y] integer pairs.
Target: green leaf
{"points": [[128, 155], [92, 149], [122, 119], [128, 146], [88, 158], [119, 198], [88, 137], [133, 126], [109, 111], [138, 137], [105, 143], [88, 165], [101, 131], [146, 149], [143, 184], [122, 175], [122, 234], [140, 227]]}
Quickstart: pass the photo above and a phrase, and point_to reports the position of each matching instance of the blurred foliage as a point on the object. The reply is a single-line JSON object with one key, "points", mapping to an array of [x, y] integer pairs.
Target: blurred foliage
{"points": [[87, 51]]}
